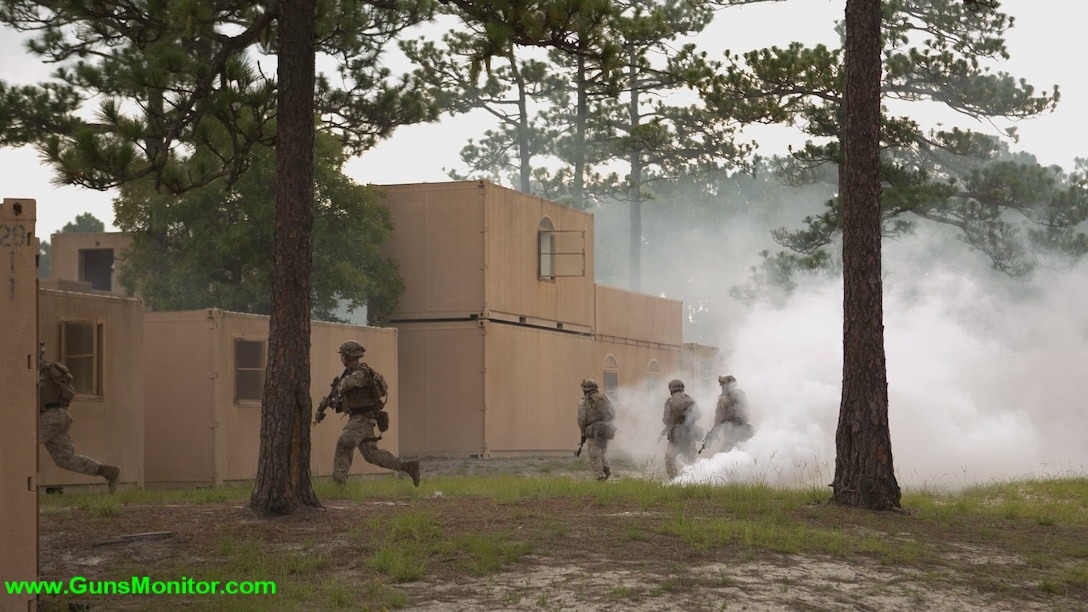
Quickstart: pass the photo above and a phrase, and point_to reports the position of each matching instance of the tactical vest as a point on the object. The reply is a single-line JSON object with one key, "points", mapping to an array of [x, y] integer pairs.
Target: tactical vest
{"points": [[57, 386]]}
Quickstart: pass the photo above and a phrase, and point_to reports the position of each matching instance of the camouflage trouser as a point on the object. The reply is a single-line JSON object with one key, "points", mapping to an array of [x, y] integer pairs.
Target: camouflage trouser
{"points": [[597, 459], [733, 434], [360, 432], [681, 447], [53, 425]]}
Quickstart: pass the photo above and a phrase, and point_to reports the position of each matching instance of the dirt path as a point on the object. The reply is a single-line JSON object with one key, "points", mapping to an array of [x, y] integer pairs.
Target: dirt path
{"points": [[582, 559]]}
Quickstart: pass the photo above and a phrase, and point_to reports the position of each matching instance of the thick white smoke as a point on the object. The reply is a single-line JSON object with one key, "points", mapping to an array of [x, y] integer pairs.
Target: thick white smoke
{"points": [[985, 376]]}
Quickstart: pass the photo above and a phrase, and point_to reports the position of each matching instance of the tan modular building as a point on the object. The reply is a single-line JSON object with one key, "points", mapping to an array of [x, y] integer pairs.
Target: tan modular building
{"points": [[501, 320], [203, 386], [19, 382], [93, 258], [699, 362], [100, 339]]}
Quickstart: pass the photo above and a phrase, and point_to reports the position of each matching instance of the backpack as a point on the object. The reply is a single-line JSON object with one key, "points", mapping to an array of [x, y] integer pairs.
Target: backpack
{"points": [[379, 389], [61, 380], [601, 413]]}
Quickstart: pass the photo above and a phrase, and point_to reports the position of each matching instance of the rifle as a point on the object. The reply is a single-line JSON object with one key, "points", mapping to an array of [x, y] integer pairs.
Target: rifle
{"points": [[332, 399], [710, 435], [664, 432], [578, 453]]}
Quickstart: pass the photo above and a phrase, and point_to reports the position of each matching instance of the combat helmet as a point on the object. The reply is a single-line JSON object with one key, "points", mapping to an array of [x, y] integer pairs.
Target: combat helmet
{"points": [[676, 385], [722, 380], [589, 384], [352, 348]]}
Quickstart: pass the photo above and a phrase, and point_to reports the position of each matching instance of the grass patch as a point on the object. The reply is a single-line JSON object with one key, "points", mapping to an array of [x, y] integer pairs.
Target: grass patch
{"points": [[485, 553], [1020, 540], [152, 497], [404, 546]]}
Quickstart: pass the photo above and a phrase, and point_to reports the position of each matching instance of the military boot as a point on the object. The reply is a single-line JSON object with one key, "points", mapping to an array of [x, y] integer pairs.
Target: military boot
{"points": [[412, 469], [111, 473]]}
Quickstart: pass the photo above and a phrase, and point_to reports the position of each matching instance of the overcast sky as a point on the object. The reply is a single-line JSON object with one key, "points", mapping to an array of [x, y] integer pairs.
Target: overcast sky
{"points": [[1039, 45]]}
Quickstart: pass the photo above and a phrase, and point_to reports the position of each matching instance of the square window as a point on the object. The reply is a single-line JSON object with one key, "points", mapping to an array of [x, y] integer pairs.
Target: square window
{"points": [[96, 268], [81, 351], [249, 365]]}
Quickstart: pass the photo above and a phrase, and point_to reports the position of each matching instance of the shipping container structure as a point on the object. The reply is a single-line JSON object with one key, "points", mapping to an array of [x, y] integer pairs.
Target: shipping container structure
{"points": [[203, 387], [501, 319], [100, 338], [92, 258]]}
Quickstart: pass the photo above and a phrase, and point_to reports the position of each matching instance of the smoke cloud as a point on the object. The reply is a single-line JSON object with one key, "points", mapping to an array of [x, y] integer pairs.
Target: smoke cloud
{"points": [[984, 372]]}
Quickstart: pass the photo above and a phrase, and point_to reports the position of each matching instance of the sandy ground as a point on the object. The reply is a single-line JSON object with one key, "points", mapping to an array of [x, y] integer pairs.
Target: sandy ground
{"points": [[589, 569]]}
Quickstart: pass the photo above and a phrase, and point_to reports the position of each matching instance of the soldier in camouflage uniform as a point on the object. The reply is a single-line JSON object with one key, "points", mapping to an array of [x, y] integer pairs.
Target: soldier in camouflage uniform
{"points": [[680, 417], [595, 415], [55, 393], [730, 416], [355, 394]]}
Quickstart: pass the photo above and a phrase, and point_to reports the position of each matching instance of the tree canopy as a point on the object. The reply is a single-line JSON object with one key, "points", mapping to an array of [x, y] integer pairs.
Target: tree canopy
{"points": [[183, 90], [1007, 206], [84, 222], [209, 247]]}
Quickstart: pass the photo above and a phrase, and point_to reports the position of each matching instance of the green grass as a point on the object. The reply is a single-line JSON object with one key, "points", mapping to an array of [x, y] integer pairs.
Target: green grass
{"points": [[1036, 528], [141, 497]]}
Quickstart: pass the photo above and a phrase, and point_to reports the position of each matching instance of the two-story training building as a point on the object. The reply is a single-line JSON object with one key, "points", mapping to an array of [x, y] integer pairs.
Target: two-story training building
{"points": [[502, 318]]}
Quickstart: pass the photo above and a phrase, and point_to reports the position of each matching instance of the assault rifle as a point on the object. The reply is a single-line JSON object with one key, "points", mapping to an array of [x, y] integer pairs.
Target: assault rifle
{"points": [[710, 435], [332, 399], [578, 453]]}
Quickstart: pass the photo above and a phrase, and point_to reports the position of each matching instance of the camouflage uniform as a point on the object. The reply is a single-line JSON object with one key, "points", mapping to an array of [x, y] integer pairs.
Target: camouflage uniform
{"points": [[595, 415], [730, 415], [54, 422], [681, 414], [363, 424]]}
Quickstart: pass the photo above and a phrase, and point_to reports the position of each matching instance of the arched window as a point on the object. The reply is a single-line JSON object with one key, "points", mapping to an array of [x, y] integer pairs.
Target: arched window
{"points": [[561, 252], [612, 378], [653, 377], [546, 234]]}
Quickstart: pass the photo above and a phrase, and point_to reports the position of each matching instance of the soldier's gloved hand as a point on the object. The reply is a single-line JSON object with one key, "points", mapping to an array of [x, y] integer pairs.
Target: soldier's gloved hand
{"points": [[319, 417]]}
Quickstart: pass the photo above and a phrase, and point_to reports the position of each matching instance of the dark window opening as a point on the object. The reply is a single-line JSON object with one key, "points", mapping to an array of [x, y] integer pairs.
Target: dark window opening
{"points": [[96, 268], [249, 362]]}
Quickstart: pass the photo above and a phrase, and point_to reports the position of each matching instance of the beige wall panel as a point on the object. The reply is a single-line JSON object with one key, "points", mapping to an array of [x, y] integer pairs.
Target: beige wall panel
{"points": [[640, 389], [381, 345], [534, 385], [108, 427], [701, 362], [513, 259], [19, 401], [438, 243], [237, 438], [442, 389], [625, 314], [65, 248], [180, 396], [226, 444]]}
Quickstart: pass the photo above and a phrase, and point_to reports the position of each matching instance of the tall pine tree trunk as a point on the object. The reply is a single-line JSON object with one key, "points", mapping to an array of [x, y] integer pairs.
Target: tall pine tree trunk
{"points": [[283, 469], [525, 161], [864, 474], [581, 117], [635, 186]]}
